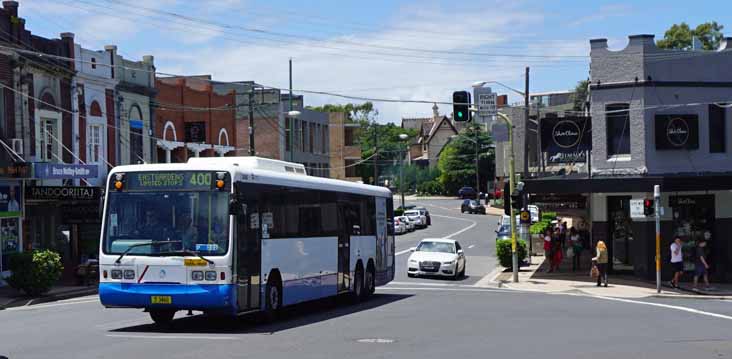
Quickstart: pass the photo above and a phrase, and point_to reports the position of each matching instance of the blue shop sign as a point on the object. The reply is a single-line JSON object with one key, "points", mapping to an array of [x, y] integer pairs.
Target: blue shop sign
{"points": [[64, 171]]}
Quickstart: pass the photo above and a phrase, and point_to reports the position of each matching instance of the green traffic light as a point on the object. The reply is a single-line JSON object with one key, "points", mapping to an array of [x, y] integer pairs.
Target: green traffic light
{"points": [[460, 114]]}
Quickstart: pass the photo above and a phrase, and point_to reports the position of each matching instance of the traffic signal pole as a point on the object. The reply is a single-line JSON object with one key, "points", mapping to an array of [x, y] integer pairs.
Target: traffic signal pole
{"points": [[512, 186], [657, 206]]}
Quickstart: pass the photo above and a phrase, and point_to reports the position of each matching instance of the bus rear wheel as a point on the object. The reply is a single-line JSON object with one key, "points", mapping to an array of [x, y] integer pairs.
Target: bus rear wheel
{"points": [[358, 287], [273, 299], [369, 281], [162, 317]]}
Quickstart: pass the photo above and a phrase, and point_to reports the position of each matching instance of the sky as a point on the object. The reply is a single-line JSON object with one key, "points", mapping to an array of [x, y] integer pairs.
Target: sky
{"points": [[388, 49]]}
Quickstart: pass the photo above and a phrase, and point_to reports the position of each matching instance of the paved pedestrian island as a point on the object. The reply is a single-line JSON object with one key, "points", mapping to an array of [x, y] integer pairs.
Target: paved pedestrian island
{"points": [[565, 281]]}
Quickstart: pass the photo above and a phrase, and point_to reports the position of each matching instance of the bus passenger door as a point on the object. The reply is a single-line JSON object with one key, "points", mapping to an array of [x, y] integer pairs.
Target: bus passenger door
{"points": [[248, 259], [344, 250]]}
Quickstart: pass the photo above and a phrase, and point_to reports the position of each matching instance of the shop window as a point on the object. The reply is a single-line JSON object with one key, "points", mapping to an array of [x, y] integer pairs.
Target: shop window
{"points": [[693, 221], [617, 126], [717, 130]]}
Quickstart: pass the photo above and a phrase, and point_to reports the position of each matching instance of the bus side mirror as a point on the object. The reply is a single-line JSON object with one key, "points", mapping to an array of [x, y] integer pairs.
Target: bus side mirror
{"points": [[235, 207]]}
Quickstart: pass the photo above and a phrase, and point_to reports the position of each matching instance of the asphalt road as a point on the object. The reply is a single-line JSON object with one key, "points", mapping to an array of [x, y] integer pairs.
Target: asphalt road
{"points": [[424, 318]]}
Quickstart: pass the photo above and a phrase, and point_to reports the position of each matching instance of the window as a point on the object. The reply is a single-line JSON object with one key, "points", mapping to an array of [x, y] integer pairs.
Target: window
{"points": [[303, 134], [94, 63], [318, 138], [351, 168], [49, 149], [136, 126], [311, 136], [349, 137], [324, 137], [717, 130], [95, 143], [617, 129]]}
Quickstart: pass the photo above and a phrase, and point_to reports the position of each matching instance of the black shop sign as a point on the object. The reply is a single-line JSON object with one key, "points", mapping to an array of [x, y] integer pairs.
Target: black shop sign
{"points": [[566, 139], [558, 202], [69, 193], [677, 132]]}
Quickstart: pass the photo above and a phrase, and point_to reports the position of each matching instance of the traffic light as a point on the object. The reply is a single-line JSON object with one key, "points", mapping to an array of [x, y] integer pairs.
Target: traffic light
{"points": [[648, 207], [516, 201], [461, 106]]}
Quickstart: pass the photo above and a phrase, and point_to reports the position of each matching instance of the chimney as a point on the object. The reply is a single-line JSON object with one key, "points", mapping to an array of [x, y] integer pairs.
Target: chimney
{"points": [[112, 51], [725, 44], [148, 59], [67, 38], [435, 112], [643, 40], [11, 7], [598, 44]]}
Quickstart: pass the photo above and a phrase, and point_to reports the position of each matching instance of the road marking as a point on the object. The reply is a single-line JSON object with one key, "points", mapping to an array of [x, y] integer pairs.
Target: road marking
{"points": [[668, 306], [185, 337], [402, 252], [471, 246], [42, 306], [449, 236], [489, 279], [453, 289], [431, 284]]}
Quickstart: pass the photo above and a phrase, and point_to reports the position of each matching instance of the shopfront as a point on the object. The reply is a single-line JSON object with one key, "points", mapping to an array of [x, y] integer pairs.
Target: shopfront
{"points": [[693, 219], [11, 210]]}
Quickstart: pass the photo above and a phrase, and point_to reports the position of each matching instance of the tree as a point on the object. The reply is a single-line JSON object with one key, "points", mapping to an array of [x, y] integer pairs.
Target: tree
{"points": [[354, 112], [457, 161], [391, 149], [580, 95], [679, 36]]}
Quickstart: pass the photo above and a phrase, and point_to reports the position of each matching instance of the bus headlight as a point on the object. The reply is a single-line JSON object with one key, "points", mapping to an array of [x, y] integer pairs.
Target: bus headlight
{"points": [[197, 275], [210, 275], [129, 274], [116, 274]]}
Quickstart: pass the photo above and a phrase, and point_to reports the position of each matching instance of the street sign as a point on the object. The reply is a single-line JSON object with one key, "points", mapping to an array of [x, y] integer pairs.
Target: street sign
{"points": [[525, 217], [487, 104], [499, 132], [636, 208]]}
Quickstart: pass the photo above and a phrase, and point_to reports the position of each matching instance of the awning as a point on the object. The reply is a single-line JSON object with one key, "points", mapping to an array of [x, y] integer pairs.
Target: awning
{"points": [[580, 183]]}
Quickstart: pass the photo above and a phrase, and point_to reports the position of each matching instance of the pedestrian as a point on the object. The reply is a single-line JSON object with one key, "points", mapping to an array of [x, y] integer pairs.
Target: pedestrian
{"points": [[701, 265], [576, 243], [600, 261], [677, 261], [557, 253], [548, 249]]}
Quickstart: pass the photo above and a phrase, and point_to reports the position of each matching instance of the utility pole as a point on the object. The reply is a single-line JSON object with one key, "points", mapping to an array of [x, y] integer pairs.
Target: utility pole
{"points": [[512, 186], [292, 123], [376, 155], [526, 126], [657, 205], [251, 122], [477, 173]]}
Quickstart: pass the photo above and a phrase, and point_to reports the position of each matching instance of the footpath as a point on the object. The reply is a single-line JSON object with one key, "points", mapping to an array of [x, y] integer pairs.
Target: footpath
{"points": [[565, 281], [10, 297]]}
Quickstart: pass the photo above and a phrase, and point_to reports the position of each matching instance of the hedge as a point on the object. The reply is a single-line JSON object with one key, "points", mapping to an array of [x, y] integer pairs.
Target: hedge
{"points": [[34, 272], [503, 251]]}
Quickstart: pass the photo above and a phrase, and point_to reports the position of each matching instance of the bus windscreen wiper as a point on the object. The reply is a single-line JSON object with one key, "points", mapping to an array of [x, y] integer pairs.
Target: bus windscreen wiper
{"points": [[190, 253], [153, 243]]}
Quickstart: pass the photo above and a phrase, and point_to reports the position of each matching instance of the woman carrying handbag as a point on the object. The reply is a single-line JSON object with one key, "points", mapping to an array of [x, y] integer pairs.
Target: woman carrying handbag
{"points": [[599, 268]]}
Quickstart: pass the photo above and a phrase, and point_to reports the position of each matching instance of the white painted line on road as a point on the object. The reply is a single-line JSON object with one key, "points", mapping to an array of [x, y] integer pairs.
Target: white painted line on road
{"points": [[185, 337], [668, 306], [402, 252], [451, 217], [443, 289], [42, 306], [471, 246], [490, 279], [442, 285], [473, 224]]}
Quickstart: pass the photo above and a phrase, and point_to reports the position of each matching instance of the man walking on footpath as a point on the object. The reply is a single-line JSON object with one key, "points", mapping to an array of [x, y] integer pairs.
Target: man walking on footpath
{"points": [[677, 261], [701, 266]]}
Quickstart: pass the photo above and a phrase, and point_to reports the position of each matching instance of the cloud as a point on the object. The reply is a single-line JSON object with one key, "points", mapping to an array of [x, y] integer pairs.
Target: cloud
{"points": [[603, 13]]}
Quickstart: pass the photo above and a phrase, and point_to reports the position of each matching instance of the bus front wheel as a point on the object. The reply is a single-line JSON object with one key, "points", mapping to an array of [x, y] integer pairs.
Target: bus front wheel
{"points": [[162, 317]]}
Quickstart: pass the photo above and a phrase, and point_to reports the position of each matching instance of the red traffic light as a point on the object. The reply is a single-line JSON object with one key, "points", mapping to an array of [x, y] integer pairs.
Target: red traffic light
{"points": [[648, 207]]}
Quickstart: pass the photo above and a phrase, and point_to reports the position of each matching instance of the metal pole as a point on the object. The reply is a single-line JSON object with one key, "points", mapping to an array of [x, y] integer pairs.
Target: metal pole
{"points": [[401, 180], [512, 186], [251, 122], [526, 127], [292, 123], [376, 155], [657, 204], [477, 173]]}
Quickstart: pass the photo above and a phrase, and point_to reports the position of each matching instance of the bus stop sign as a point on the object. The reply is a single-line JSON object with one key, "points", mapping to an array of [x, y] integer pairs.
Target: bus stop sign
{"points": [[525, 217]]}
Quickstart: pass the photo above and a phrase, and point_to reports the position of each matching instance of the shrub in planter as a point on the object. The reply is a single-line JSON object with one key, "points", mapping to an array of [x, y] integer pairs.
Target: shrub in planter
{"points": [[34, 272], [503, 251]]}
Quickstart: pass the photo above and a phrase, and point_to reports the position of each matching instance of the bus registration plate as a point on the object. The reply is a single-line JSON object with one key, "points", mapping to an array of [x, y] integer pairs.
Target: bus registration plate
{"points": [[161, 299]]}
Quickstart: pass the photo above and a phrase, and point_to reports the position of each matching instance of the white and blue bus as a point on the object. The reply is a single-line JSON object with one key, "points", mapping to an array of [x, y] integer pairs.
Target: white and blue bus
{"points": [[233, 235]]}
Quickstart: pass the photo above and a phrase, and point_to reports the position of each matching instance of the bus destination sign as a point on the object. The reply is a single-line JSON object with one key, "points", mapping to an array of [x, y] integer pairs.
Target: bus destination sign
{"points": [[142, 181]]}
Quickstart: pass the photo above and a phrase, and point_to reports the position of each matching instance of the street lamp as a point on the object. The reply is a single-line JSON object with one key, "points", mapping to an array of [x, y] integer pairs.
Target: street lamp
{"points": [[291, 115], [512, 186], [403, 137]]}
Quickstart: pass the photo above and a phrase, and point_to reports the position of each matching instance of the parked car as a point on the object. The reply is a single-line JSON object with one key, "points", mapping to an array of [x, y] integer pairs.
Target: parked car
{"points": [[399, 226], [420, 220], [467, 192], [439, 257], [503, 232], [409, 224], [426, 214], [472, 206]]}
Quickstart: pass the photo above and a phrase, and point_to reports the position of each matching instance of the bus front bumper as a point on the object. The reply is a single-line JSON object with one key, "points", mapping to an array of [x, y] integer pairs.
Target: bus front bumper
{"points": [[180, 296]]}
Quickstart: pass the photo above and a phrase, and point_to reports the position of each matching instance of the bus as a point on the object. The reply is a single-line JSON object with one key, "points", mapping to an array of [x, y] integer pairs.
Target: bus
{"points": [[235, 235]]}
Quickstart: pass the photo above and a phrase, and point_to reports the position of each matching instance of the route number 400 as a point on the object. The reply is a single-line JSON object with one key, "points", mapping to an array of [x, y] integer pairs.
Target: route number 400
{"points": [[200, 179]]}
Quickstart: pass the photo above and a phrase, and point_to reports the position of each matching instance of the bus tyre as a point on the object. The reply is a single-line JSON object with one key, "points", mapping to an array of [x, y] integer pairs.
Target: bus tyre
{"points": [[162, 317], [273, 298], [358, 284], [369, 281]]}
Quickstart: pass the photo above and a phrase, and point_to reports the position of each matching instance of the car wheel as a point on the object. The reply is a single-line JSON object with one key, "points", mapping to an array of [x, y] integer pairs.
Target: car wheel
{"points": [[410, 275], [162, 317], [456, 275], [462, 272]]}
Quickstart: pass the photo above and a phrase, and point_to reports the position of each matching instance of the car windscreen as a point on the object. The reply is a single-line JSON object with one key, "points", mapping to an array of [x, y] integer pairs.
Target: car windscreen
{"points": [[440, 247]]}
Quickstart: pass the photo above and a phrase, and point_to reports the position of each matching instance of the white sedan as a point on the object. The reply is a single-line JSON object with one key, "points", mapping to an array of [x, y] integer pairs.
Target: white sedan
{"points": [[419, 219], [407, 222], [437, 257], [399, 226]]}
